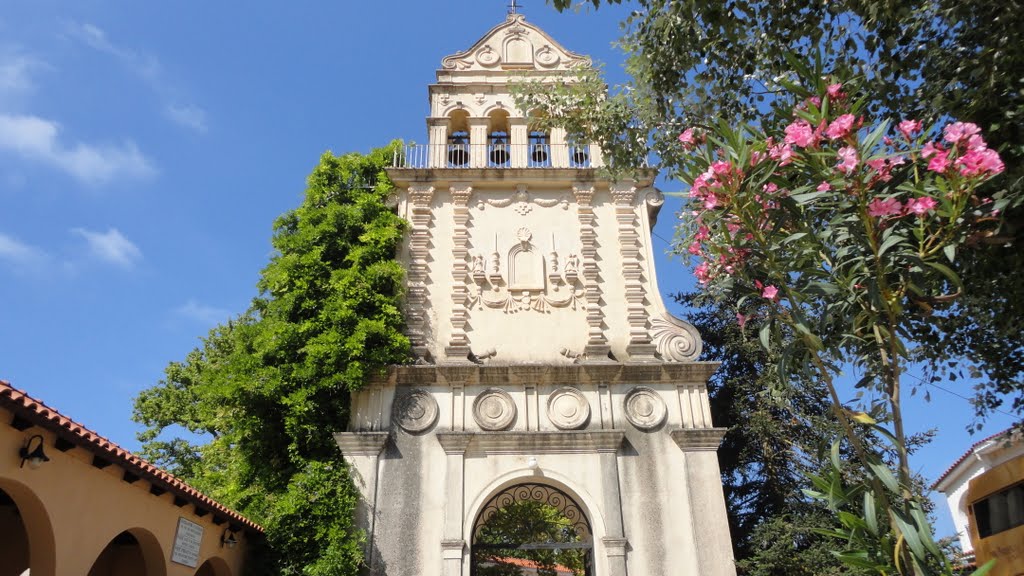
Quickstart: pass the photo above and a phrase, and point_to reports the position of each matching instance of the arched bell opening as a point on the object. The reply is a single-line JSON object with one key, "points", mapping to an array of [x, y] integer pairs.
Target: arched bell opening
{"points": [[532, 528], [498, 146], [26, 534], [539, 149], [579, 155], [458, 139], [134, 552]]}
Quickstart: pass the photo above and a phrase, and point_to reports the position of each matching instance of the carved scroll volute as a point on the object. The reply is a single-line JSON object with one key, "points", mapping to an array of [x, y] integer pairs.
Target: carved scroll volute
{"points": [[675, 340]]}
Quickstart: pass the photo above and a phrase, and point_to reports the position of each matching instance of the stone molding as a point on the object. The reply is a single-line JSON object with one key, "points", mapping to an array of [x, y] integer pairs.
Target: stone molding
{"points": [[624, 195], [699, 439], [567, 442], [644, 408], [361, 443], [418, 274], [416, 411], [458, 346], [454, 443], [615, 546], [506, 375], [597, 347], [568, 408], [494, 409], [453, 545]]}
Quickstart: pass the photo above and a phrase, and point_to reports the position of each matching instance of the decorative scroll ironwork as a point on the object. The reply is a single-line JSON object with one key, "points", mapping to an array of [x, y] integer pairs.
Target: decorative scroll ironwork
{"points": [[535, 492]]}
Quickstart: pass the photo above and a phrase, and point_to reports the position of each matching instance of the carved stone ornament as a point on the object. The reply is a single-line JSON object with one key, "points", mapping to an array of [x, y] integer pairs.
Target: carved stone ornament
{"points": [[487, 56], [494, 410], [644, 408], [675, 340], [568, 409], [547, 57], [416, 411]]}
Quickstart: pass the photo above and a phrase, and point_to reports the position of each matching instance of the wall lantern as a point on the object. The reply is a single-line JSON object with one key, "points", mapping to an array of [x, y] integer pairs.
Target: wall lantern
{"points": [[227, 539], [34, 456]]}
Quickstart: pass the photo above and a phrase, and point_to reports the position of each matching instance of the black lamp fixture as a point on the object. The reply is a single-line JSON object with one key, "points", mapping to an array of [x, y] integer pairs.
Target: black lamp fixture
{"points": [[227, 539], [34, 456]]}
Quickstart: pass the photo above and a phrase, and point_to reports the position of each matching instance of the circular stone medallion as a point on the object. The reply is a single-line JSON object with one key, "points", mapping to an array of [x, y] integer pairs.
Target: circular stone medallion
{"points": [[416, 411], [644, 408], [568, 409], [494, 409]]}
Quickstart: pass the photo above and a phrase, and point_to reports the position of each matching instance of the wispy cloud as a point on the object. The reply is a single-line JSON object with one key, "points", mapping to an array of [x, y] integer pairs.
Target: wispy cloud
{"points": [[192, 117], [38, 139], [16, 70], [110, 246], [148, 68], [16, 252], [202, 313]]}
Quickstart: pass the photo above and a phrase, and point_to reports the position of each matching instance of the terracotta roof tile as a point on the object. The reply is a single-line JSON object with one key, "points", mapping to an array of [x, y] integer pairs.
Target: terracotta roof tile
{"points": [[42, 415], [967, 455]]}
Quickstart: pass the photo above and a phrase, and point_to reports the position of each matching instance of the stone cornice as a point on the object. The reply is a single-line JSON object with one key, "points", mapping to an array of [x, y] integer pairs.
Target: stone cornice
{"points": [[698, 439], [360, 443], [493, 374], [564, 442], [441, 177]]}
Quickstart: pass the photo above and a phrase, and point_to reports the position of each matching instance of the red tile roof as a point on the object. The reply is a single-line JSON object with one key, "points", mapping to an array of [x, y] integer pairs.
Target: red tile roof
{"points": [[967, 455], [39, 414], [525, 563]]}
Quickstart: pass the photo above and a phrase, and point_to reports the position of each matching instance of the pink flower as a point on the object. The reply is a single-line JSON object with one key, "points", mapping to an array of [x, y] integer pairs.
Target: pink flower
{"points": [[840, 127], [732, 227], [694, 248], [687, 139], [770, 187], [756, 157], [815, 100], [710, 201], [721, 167], [702, 273], [742, 320], [887, 207], [824, 187], [939, 163], [800, 133], [980, 161], [770, 292], [921, 206], [781, 152], [847, 159], [959, 131], [909, 127], [930, 149], [835, 91], [703, 233]]}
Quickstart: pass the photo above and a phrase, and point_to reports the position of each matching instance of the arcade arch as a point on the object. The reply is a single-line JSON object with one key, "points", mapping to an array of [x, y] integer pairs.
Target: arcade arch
{"points": [[28, 543], [134, 552]]}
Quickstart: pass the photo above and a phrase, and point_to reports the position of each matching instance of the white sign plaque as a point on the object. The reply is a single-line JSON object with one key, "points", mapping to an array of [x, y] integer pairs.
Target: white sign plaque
{"points": [[186, 543]]}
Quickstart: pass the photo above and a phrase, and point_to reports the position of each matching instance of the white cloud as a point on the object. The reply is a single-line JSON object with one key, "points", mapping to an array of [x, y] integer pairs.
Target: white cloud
{"points": [[202, 313], [18, 252], [37, 139], [192, 117], [148, 68], [111, 246], [15, 75]]}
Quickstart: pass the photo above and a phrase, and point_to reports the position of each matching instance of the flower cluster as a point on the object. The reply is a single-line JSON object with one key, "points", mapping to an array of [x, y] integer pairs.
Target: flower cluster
{"points": [[967, 152]]}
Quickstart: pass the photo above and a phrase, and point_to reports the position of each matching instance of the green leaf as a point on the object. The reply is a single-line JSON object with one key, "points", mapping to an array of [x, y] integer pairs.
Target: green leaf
{"points": [[884, 474], [950, 251], [947, 272], [889, 242]]}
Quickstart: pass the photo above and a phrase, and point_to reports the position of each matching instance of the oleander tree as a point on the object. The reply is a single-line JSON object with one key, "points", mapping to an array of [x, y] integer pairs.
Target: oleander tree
{"points": [[840, 235]]}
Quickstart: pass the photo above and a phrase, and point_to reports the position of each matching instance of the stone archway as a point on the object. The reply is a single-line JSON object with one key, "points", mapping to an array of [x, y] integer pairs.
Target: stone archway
{"points": [[528, 527], [134, 552], [214, 566], [27, 543]]}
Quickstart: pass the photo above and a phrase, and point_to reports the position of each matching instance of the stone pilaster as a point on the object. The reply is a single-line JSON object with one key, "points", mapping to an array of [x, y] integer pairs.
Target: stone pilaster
{"points": [[453, 543], [597, 347], [458, 346], [417, 299], [362, 451], [639, 346]]}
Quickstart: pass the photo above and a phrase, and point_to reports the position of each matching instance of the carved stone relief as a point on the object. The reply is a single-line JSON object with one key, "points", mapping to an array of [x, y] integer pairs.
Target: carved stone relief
{"points": [[644, 408], [675, 340], [494, 410], [568, 409], [416, 411], [487, 56], [522, 202]]}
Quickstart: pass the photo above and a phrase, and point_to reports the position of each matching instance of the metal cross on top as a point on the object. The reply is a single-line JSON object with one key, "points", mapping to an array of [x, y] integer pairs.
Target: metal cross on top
{"points": [[513, 7]]}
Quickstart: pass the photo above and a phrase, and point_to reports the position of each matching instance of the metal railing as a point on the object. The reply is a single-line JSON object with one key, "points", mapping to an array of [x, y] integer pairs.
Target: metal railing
{"points": [[496, 155]]}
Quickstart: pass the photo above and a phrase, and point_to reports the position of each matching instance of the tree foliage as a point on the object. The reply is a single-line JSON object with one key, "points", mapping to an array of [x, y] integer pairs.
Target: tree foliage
{"points": [[698, 62], [265, 390], [526, 522]]}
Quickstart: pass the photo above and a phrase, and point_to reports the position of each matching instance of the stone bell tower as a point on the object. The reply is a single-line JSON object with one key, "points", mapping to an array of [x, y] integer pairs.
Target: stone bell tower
{"points": [[548, 367]]}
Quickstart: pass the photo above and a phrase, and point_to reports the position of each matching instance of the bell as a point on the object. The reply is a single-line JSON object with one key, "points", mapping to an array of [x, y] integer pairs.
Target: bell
{"points": [[457, 155], [499, 154], [579, 157], [540, 155]]}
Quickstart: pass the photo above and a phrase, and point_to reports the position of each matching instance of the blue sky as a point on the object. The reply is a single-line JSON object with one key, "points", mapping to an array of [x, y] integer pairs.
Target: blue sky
{"points": [[146, 148]]}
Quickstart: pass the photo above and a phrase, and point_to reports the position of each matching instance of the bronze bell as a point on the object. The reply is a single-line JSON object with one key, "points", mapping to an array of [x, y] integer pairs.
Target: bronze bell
{"points": [[499, 152], [579, 157], [540, 153]]}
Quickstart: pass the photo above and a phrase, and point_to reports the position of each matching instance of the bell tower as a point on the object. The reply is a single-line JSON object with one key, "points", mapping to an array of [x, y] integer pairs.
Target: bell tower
{"points": [[548, 368]]}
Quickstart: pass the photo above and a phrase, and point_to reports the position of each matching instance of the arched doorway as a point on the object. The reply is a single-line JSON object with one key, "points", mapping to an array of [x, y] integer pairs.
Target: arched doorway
{"points": [[214, 567], [532, 529], [133, 552], [26, 544]]}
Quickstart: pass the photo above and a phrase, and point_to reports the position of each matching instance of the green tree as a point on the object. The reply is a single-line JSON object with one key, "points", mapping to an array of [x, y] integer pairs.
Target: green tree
{"points": [[777, 435], [265, 390], [526, 522], [699, 62]]}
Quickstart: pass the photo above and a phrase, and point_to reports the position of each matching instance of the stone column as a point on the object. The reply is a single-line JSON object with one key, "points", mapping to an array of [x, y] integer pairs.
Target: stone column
{"points": [[559, 149], [453, 543], [519, 139], [614, 541], [361, 451], [478, 142], [707, 502], [438, 145]]}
